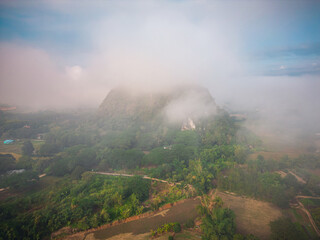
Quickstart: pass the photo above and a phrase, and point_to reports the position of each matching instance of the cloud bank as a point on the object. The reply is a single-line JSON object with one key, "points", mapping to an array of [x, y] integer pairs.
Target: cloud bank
{"points": [[149, 47], [155, 45]]}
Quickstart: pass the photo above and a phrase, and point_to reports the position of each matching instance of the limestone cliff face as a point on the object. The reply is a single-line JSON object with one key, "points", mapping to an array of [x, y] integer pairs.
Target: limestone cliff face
{"points": [[182, 105], [123, 102]]}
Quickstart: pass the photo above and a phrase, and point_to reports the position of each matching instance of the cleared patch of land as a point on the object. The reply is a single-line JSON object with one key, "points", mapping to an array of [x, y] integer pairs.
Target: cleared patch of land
{"points": [[124, 236], [252, 216], [140, 228], [299, 179], [184, 234], [14, 147]]}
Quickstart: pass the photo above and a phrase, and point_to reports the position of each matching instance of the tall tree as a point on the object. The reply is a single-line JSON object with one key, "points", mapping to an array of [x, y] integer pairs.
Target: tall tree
{"points": [[27, 148], [284, 228], [217, 222]]}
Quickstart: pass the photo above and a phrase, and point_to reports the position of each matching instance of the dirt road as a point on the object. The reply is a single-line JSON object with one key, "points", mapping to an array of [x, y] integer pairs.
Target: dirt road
{"points": [[308, 213], [131, 175]]}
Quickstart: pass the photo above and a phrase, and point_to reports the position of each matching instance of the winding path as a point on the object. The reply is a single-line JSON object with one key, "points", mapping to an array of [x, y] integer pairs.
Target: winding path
{"points": [[131, 175], [308, 213]]}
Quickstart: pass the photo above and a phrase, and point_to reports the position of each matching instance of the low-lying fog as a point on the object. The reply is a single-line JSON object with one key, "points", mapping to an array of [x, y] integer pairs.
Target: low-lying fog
{"points": [[252, 56]]}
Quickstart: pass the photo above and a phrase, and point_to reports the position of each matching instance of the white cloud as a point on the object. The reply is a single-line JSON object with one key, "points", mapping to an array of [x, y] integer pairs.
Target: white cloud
{"points": [[74, 72], [282, 67], [30, 77]]}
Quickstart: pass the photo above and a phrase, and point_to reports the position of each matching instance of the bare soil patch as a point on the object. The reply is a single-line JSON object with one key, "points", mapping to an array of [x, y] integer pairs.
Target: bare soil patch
{"points": [[124, 236], [282, 173], [15, 155], [252, 216], [315, 171]]}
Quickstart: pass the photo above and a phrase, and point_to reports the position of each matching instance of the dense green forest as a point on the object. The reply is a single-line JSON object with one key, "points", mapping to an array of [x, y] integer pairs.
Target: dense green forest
{"points": [[71, 145], [82, 204]]}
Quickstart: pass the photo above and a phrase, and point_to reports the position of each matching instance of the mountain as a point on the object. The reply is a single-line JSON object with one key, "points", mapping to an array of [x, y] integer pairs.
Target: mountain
{"points": [[181, 105]]}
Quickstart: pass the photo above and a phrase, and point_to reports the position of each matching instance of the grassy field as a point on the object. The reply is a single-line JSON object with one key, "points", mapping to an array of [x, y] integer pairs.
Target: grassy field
{"points": [[276, 155], [184, 234], [252, 216], [15, 147]]}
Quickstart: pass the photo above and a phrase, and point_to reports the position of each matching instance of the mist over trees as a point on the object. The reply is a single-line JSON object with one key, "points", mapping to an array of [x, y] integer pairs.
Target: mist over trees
{"points": [[112, 109], [211, 153]]}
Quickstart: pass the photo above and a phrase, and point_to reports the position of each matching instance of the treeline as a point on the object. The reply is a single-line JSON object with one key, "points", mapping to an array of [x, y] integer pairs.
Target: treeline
{"points": [[265, 186], [194, 156], [219, 223], [259, 179], [12, 125], [17, 174], [284, 228], [90, 202]]}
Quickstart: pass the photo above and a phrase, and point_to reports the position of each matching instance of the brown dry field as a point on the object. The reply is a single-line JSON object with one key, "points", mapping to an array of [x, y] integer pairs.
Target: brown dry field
{"points": [[276, 155], [124, 236], [139, 228], [315, 171], [15, 155], [252, 216], [185, 234]]}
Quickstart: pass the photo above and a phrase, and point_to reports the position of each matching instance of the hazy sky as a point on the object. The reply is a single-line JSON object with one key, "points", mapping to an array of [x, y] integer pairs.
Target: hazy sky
{"points": [[251, 53]]}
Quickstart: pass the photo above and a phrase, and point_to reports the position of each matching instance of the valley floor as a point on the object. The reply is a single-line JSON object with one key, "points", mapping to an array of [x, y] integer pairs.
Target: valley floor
{"points": [[252, 217], [140, 228]]}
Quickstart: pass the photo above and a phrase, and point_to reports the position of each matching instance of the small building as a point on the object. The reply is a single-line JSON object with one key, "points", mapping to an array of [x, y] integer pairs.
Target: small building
{"points": [[40, 136]]}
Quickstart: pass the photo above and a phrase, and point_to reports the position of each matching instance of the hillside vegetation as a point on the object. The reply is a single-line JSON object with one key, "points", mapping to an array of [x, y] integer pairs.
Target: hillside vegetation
{"points": [[180, 136]]}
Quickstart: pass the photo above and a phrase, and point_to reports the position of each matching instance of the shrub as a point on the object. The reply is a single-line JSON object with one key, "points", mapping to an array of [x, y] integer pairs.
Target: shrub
{"points": [[189, 223], [177, 227]]}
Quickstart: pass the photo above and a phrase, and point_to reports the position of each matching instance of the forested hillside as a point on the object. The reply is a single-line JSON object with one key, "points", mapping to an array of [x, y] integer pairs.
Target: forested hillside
{"points": [[198, 150]]}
